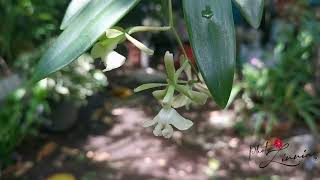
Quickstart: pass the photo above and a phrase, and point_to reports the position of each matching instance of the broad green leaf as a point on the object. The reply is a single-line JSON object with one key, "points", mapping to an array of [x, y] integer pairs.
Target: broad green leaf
{"points": [[212, 35], [252, 10], [81, 34], [73, 10]]}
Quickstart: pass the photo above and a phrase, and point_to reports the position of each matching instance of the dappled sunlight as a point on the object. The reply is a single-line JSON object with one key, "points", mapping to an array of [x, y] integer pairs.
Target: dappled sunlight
{"points": [[160, 90]]}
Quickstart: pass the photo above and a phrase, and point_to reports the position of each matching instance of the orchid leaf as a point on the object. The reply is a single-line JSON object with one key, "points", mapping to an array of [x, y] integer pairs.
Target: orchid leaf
{"points": [[81, 34], [212, 35]]}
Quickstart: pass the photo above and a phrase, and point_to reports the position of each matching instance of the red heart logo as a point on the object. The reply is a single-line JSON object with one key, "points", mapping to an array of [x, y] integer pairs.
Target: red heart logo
{"points": [[278, 143]]}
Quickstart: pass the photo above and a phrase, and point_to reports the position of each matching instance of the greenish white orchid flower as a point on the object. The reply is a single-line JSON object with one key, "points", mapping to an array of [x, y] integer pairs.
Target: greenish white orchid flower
{"points": [[104, 49], [186, 96], [169, 116], [163, 121]]}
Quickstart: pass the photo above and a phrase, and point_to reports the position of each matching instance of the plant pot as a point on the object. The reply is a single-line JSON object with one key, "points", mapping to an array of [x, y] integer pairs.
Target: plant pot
{"points": [[63, 116], [8, 85]]}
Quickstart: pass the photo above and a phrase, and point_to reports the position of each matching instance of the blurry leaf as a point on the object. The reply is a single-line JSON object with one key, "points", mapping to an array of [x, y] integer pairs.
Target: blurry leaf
{"points": [[46, 150], [315, 111], [82, 34], [252, 10], [259, 122], [310, 121], [234, 92], [23, 168], [73, 10], [271, 122], [212, 35], [61, 176]]}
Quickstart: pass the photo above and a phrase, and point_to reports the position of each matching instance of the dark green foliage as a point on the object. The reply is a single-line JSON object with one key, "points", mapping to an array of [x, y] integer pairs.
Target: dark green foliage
{"points": [[27, 23], [284, 91]]}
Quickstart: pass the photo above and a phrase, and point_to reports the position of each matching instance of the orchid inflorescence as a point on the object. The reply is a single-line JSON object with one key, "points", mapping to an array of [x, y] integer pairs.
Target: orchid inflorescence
{"points": [[169, 100], [175, 93]]}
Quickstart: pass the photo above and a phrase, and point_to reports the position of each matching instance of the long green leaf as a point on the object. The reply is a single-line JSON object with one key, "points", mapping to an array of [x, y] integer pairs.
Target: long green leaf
{"points": [[82, 33], [211, 31], [252, 10], [73, 10]]}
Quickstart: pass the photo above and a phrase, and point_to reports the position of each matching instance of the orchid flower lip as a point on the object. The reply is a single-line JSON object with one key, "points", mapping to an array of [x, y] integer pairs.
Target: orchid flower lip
{"points": [[165, 119]]}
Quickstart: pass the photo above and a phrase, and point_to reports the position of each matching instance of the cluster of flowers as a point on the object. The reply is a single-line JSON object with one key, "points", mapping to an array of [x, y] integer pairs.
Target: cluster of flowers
{"points": [[176, 93]]}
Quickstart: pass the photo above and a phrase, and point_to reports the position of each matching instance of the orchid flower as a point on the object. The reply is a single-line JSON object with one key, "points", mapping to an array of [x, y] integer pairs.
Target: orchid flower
{"points": [[167, 115], [186, 93], [163, 121], [104, 49]]}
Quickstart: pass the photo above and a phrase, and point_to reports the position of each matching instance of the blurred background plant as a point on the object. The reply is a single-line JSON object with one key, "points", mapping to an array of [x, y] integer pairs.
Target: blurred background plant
{"points": [[41, 19], [22, 112], [278, 86]]}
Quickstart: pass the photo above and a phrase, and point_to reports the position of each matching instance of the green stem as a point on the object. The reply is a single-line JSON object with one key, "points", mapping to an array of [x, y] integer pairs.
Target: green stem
{"points": [[168, 98], [148, 28], [175, 33], [170, 13], [188, 82]]}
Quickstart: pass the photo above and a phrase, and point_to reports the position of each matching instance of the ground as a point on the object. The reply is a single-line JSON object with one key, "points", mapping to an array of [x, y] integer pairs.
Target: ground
{"points": [[108, 142]]}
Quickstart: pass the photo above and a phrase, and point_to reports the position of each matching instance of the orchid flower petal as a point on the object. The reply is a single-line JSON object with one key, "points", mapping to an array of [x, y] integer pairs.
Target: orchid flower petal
{"points": [[159, 94], [199, 97], [180, 101], [149, 123], [178, 121], [113, 33], [99, 51], [139, 45], [113, 60], [169, 63], [148, 86], [167, 132], [167, 100], [157, 129]]}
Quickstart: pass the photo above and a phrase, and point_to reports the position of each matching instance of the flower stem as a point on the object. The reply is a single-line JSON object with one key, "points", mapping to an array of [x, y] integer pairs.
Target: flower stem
{"points": [[176, 35]]}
